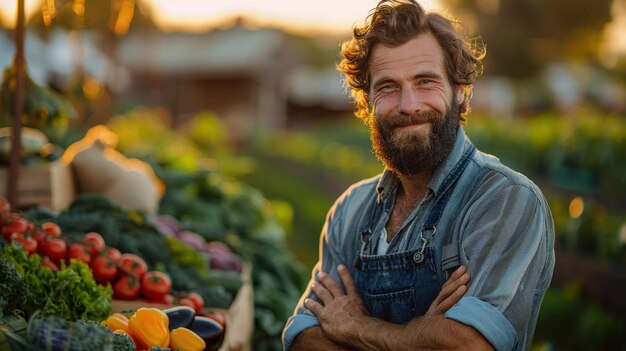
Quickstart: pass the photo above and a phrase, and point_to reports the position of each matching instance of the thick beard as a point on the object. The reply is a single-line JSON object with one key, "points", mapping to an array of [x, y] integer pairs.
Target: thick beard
{"points": [[415, 154]]}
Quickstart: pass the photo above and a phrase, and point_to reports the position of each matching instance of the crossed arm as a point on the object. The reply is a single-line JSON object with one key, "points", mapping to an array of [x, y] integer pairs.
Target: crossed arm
{"points": [[346, 324]]}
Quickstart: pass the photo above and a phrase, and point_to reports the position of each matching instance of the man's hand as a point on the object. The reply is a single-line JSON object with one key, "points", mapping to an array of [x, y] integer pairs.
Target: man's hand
{"points": [[451, 292], [345, 320], [338, 308]]}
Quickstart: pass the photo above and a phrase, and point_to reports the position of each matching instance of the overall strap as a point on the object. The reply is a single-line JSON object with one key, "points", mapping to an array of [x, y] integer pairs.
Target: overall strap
{"points": [[440, 203], [368, 218]]}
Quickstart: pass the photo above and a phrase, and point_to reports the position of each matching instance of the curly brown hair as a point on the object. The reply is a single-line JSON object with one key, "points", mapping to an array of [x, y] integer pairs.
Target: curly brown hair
{"points": [[395, 22]]}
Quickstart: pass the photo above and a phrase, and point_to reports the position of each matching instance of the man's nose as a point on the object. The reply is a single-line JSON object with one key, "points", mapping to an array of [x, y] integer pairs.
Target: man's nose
{"points": [[409, 102]]}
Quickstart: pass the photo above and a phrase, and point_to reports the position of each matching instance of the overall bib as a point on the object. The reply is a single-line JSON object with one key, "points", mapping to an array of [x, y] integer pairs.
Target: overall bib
{"points": [[400, 286]]}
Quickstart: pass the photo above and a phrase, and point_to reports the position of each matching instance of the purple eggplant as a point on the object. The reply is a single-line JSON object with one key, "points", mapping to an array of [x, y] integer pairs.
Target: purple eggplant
{"points": [[180, 316], [209, 330]]}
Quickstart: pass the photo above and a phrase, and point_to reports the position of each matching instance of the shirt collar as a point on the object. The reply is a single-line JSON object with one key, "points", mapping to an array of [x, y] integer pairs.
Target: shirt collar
{"points": [[389, 181]]}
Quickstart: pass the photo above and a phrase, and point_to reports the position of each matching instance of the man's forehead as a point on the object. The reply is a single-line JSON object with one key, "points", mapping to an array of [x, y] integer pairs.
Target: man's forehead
{"points": [[423, 49]]}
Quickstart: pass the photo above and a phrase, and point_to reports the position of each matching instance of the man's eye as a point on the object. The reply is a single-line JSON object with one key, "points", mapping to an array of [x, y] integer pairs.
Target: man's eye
{"points": [[386, 88], [425, 81]]}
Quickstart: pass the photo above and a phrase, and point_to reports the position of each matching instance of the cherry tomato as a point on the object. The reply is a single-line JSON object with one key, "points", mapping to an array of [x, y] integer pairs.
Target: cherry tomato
{"points": [[104, 269], [80, 252], [39, 236], [127, 287], [18, 225], [155, 285], [187, 302], [29, 244], [197, 300], [8, 217], [51, 229], [133, 265], [218, 317], [95, 242], [113, 253], [55, 249]]}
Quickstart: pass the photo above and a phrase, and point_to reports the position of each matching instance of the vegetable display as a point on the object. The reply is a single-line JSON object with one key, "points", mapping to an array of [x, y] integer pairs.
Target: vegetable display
{"points": [[64, 289], [178, 328], [203, 200], [190, 255], [71, 293], [106, 229]]}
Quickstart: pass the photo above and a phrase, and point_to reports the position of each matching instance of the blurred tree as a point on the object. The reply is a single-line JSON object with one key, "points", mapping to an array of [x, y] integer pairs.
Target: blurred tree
{"points": [[113, 17], [108, 20], [522, 36]]}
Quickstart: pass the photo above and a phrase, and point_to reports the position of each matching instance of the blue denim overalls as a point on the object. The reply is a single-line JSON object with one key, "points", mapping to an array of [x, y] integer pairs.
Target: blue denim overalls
{"points": [[400, 286]]}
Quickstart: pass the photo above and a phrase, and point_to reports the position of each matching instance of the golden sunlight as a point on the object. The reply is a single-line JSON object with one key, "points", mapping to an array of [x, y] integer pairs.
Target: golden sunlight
{"points": [[329, 16]]}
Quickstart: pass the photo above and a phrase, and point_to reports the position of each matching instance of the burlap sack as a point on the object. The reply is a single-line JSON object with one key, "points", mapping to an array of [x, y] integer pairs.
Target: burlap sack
{"points": [[100, 169]]}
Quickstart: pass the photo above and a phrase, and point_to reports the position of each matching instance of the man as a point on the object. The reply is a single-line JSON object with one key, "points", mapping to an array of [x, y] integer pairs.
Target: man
{"points": [[447, 248]]}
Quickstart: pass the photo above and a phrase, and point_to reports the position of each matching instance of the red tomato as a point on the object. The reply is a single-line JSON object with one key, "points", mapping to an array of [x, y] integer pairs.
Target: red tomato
{"points": [[155, 285], [18, 225], [39, 236], [127, 287], [197, 300], [113, 253], [55, 249], [80, 252], [133, 265], [29, 244], [104, 269], [218, 317], [51, 229], [95, 242], [45, 262], [8, 217], [187, 302]]}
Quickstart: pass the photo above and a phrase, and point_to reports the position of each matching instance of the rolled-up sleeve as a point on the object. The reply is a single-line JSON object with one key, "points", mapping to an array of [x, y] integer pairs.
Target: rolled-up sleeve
{"points": [[485, 318], [507, 246], [295, 325]]}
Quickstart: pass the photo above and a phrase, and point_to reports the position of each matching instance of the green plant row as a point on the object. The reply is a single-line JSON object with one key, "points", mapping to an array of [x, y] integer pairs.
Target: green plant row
{"points": [[568, 322]]}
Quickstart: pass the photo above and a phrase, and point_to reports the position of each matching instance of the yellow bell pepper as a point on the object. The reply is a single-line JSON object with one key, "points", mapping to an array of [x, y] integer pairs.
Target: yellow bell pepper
{"points": [[183, 339], [116, 321], [150, 327]]}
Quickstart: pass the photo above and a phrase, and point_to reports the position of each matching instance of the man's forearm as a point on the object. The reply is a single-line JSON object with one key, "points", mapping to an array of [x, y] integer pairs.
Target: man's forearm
{"points": [[313, 339], [424, 333]]}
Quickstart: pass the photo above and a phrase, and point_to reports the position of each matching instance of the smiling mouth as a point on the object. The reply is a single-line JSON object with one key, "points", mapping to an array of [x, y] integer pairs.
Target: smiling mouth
{"points": [[412, 126]]}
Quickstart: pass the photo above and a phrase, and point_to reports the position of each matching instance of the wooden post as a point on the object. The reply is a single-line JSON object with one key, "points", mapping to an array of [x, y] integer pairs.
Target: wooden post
{"points": [[20, 97]]}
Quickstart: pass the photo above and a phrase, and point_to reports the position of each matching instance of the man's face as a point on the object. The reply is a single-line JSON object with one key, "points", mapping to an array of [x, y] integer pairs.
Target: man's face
{"points": [[415, 109]]}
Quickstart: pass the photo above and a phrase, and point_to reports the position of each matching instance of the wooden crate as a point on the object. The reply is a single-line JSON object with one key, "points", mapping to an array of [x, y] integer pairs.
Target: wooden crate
{"points": [[50, 185], [240, 317]]}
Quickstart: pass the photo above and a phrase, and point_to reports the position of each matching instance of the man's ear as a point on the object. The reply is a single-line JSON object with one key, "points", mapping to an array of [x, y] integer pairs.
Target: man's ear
{"points": [[461, 90]]}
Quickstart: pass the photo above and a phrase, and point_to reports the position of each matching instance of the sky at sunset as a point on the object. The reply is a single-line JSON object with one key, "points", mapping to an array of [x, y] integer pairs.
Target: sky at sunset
{"points": [[330, 16], [333, 17]]}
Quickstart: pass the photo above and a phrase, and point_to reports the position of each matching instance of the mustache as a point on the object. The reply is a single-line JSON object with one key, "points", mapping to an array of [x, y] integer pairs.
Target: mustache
{"points": [[399, 120]]}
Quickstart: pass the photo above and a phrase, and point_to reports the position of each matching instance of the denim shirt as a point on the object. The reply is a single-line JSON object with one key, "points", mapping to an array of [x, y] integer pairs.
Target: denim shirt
{"points": [[505, 237]]}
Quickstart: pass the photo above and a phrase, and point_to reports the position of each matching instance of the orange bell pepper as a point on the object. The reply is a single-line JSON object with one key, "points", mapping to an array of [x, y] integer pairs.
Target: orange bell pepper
{"points": [[183, 339], [150, 327], [116, 321]]}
